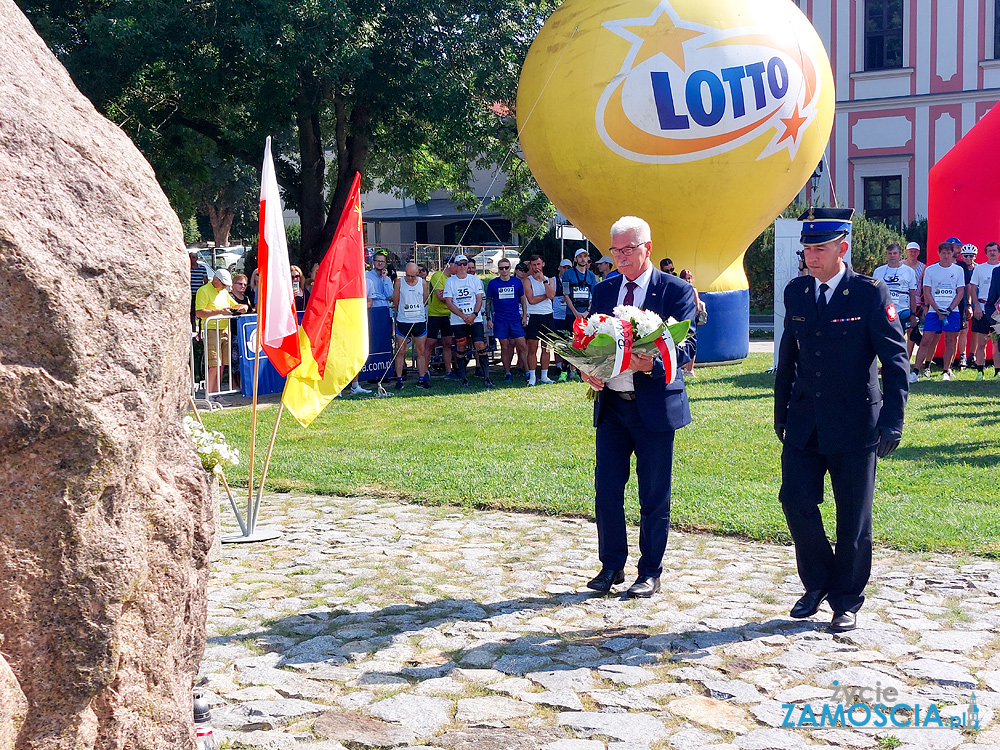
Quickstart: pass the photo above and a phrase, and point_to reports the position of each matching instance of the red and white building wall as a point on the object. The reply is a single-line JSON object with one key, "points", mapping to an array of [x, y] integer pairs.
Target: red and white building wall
{"points": [[912, 77]]}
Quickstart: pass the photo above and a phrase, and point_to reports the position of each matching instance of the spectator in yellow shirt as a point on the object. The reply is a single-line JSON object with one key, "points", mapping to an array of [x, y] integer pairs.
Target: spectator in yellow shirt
{"points": [[213, 300]]}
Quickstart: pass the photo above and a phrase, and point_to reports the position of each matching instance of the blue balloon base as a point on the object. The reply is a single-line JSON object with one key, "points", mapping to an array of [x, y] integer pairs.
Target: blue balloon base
{"points": [[726, 335]]}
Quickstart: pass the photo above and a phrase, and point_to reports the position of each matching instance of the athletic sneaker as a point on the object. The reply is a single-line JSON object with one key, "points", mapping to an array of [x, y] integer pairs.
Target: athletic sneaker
{"points": [[424, 382], [562, 378], [399, 384], [980, 376], [488, 383], [465, 382], [946, 375], [452, 376], [545, 379], [913, 376], [927, 371], [963, 362], [357, 390], [508, 378]]}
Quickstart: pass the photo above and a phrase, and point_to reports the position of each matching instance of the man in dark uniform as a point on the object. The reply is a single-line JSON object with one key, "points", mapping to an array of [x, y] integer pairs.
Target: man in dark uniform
{"points": [[830, 414], [637, 412]]}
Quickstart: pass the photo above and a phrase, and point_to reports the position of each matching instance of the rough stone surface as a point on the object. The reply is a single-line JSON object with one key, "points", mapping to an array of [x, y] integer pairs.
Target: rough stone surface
{"points": [[423, 715], [14, 704], [769, 739], [499, 739], [711, 713], [106, 510], [495, 709], [721, 627], [361, 730], [940, 672], [637, 728]]}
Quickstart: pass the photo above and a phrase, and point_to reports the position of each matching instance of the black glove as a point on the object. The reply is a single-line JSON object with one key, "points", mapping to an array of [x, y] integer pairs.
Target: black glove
{"points": [[888, 441], [779, 430]]}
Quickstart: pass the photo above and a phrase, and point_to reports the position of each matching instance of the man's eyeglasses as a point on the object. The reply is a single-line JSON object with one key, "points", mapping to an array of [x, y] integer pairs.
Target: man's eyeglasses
{"points": [[627, 250]]}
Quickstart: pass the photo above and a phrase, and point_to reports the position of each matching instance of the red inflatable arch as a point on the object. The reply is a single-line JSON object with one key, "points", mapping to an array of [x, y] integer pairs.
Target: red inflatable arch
{"points": [[964, 193]]}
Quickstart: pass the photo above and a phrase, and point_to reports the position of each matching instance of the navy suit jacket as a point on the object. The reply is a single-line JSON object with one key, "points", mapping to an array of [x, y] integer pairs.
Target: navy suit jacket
{"points": [[663, 406], [827, 378]]}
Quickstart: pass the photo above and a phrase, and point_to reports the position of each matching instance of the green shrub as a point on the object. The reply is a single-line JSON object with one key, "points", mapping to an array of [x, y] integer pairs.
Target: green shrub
{"points": [[868, 245], [758, 263]]}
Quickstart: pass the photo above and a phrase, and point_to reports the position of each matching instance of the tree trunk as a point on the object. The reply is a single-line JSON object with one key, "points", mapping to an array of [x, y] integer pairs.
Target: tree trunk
{"points": [[311, 199], [221, 216], [353, 146]]}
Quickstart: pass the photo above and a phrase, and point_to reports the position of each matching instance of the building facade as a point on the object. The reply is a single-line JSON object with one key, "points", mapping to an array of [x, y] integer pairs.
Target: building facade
{"points": [[912, 78]]}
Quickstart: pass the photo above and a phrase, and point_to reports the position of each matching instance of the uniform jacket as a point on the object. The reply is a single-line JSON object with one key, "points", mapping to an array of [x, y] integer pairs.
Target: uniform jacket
{"points": [[664, 406], [827, 378]]}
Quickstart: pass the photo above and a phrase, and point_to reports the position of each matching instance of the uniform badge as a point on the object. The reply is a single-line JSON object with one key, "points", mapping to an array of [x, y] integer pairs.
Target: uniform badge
{"points": [[890, 310]]}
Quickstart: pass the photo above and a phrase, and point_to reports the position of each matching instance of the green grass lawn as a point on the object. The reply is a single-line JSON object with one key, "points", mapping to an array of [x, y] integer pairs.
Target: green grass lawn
{"points": [[533, 449]]}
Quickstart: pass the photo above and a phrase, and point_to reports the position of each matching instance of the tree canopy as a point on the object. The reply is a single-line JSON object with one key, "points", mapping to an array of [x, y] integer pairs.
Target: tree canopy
{"points": [[411, 95]]}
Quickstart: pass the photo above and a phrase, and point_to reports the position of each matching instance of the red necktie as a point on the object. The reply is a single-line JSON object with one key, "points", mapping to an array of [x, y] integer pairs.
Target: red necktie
{"points": [[630, 287]]}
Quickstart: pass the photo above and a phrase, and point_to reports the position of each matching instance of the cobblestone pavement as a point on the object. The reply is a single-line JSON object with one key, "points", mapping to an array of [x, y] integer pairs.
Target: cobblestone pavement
{"points": [[371, 623]]}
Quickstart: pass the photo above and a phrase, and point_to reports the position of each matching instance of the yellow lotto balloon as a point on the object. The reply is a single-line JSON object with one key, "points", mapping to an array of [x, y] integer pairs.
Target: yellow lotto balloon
{"points": [[704, 117]]}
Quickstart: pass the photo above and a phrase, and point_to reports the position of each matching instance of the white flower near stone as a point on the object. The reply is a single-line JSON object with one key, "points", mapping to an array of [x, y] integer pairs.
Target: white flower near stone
{"points": [[211, 446]]}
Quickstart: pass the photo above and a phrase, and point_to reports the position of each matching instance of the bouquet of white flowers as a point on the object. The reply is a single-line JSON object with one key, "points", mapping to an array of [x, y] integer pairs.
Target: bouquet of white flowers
{"points": [[602, 345], [213, 450]]}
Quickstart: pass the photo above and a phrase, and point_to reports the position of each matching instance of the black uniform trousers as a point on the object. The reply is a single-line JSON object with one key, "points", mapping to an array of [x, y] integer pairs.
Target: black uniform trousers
{"points": [[842, 570], [620, 433]]}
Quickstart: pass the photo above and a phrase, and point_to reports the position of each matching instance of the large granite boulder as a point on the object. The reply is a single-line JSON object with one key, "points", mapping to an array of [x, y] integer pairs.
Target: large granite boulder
{"points": [[105, 522]]}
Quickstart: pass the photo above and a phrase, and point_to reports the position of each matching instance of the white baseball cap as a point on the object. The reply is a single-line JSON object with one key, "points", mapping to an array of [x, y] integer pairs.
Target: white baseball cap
{"points": [[912, 245], [565, 262], [581, 250], [224, 276], [606, 259], [459, 259]]}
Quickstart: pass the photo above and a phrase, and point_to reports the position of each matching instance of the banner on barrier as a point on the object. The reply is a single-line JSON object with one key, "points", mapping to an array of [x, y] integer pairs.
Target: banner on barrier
{"points": [[269, 381], [379, 344]]}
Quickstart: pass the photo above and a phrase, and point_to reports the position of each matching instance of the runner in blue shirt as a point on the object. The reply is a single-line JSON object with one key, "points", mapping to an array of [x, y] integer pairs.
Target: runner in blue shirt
{"points": [[509, 317]]}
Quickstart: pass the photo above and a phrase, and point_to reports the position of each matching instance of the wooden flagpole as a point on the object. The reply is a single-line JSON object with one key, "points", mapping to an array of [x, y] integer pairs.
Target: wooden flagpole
{"points": [[267, 463], [251, 517], [222, 476]]}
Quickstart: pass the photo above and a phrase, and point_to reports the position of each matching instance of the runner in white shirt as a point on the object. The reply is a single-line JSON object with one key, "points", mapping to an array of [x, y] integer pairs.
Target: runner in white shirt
{"points": [[409, 296], [463, 294], [912, 262], [979, 290], [539, 291], [944, 291], [901, 281]]}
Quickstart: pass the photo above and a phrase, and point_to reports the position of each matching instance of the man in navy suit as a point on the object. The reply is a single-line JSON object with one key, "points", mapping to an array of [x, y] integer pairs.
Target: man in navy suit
{"points": [[638, 412], [831, 415]]}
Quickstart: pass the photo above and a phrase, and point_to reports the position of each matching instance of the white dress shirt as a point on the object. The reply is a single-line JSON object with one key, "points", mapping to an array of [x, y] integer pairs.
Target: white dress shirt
{"points": [[623, 382], [832, 284]]}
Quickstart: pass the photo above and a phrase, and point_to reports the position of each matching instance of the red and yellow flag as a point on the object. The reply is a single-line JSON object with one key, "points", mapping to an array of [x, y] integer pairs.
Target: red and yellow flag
{"points": [[334, 331]]}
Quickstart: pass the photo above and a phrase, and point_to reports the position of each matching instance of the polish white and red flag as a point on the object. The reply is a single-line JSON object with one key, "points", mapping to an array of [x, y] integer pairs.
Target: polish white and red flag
{"points": [[278, 325]]}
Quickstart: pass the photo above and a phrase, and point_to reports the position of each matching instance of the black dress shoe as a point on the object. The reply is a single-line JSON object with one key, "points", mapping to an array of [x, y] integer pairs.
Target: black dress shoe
{"points": [[643, 588], [843, 621], [606, 579], [808, 605]]}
